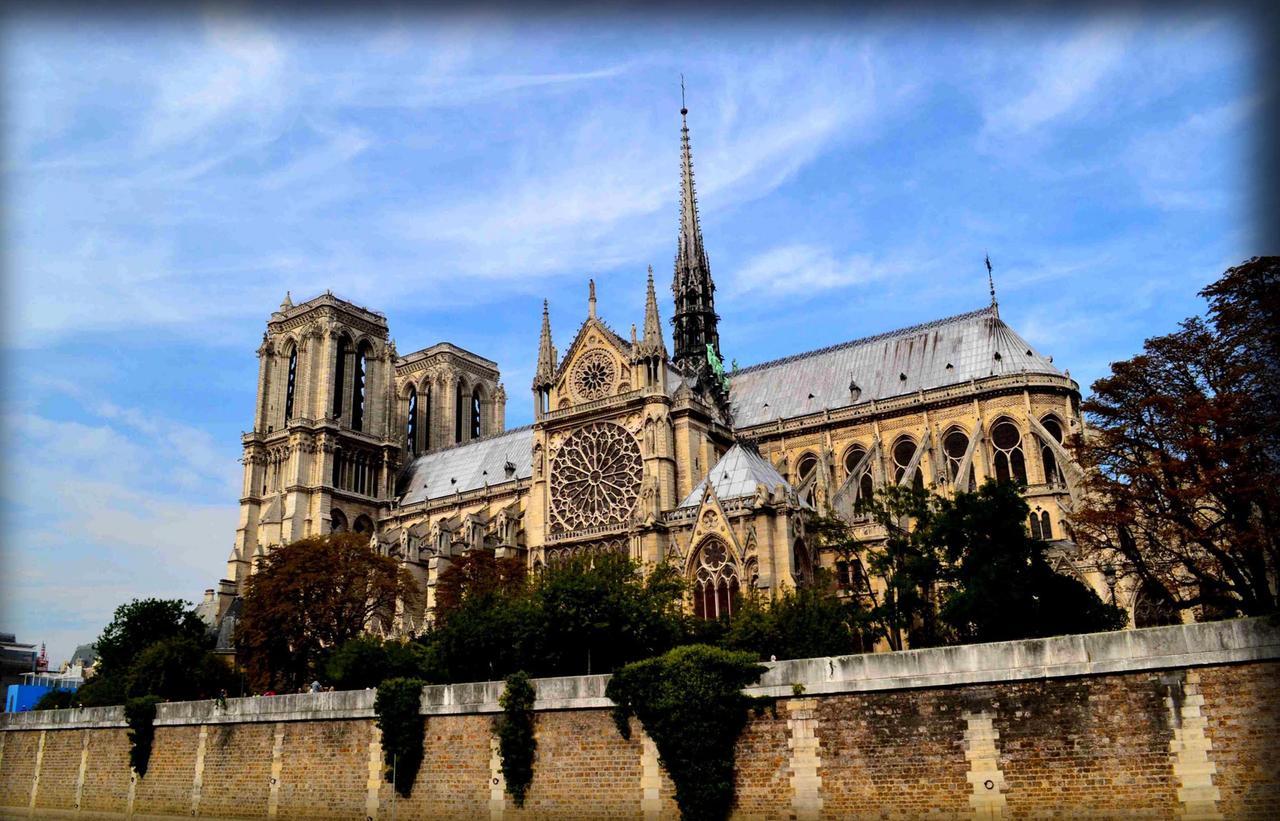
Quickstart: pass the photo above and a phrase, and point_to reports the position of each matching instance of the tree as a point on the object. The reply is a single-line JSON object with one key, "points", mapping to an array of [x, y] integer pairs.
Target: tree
{"points": [[1183, 454], [999, 585], [139, 624], [601, 612], [310, 597], [134, 628], [804, 623], [963, 568], [910, 564], [178, 669], [367, 661], [589, 614], [478, 574]]}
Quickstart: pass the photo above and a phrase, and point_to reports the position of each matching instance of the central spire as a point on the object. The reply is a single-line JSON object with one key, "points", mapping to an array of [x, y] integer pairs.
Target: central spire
{"points": [[695, 315]]}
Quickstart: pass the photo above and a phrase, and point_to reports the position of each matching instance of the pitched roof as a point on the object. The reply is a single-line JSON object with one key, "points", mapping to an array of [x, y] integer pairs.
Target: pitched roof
{"points": [[737, 474], [461, 468], [935, 354]]}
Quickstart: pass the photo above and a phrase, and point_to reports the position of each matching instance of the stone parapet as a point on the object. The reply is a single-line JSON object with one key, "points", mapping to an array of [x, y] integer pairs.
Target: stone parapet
{"points": [[1123, 651]]}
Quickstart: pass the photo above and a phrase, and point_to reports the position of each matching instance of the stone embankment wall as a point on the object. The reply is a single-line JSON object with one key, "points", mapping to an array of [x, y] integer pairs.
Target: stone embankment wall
{"points": [[1170, 721]]}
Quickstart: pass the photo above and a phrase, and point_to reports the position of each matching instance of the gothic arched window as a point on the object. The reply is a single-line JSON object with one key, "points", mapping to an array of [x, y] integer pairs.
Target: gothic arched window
{"points": [[357, 387], [475, 413], [852, 458], [426, 416], [291, 384], [1151, 608], [1007, 441], [459, 411], [337, 521], [955, 444], [804, 469], [1052, 475], [411, 424], [715, 581], [340, 376], [1046, 527], [1035, 526], [363, 525], [904, 450]]}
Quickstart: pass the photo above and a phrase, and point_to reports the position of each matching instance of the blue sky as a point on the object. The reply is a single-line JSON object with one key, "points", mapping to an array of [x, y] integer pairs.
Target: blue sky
{"points": [[167, 181]]}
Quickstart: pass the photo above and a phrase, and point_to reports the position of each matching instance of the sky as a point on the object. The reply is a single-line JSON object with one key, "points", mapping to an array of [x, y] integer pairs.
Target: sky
{"points": [[167, 180]]}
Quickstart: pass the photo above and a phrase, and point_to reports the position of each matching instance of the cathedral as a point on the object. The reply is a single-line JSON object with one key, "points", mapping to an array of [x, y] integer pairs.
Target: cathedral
{"points": [[654, 452]]}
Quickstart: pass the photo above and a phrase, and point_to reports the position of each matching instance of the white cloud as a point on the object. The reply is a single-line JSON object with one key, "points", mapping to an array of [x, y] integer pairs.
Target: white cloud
{"points": [[1062, 80], [805, 269]]}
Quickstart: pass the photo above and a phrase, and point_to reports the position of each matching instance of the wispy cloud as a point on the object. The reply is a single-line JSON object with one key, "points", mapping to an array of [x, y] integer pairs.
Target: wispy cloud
{"points": [[1062, 80], [808, 270]]}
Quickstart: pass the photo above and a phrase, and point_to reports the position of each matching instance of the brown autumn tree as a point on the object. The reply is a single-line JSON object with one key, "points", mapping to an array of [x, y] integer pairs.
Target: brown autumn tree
{"points": [[1182, 455], [475, 575], [310, 597]]}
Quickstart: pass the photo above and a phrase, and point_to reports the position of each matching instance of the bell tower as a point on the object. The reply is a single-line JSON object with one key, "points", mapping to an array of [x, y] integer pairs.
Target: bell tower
{"points": [[324, 448]]}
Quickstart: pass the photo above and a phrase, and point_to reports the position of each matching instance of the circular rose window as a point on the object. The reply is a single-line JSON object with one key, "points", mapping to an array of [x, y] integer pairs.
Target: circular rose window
{"points": [[595, 478], [594, 375]]}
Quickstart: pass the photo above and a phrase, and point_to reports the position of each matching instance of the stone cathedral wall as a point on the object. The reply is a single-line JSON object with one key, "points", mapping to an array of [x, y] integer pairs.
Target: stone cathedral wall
{"points": [[1163, 722]]}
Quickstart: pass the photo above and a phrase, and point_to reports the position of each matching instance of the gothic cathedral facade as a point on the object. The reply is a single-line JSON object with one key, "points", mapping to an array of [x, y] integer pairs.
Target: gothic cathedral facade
{"points": [[654, 453]]}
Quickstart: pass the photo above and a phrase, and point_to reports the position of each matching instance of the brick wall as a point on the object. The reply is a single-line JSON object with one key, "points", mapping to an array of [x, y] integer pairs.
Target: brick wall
{"points": [[1138, 732], [1243, 714]]}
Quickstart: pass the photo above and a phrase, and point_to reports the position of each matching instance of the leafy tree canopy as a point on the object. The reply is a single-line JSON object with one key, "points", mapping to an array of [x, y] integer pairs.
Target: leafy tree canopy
{"points": [[1183, 454], [312, 596], [141, 623], [366, 661]]}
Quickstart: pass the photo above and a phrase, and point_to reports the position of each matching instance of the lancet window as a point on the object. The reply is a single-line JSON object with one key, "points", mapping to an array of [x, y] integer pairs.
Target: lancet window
{"points": [[358, 388], [475, 413], [1052, 473], [715, 581], [291, 384], [1006, 440], [459, 411], [340, 376], [411, 423], [954, 445], [1040, 525], [804, 469], [852, 458], [904, 450]]}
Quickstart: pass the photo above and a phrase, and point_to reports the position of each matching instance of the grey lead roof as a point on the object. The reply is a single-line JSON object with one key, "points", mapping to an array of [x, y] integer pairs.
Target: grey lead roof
{"points": [[737, 474], [468, 467], [943, 352]]}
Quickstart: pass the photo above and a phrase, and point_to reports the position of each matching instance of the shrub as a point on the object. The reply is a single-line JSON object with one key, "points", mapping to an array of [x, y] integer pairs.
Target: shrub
{"points": [[515, 735], [690, 702], [140, 715], [397, 705], [367, 661], [56, 700]]}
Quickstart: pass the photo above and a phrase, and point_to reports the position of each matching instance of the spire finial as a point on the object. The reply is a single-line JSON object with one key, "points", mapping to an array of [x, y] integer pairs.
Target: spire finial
{"points": [[695, 313], [991, 285], [684, 109], [544, 375], [591, 298]]}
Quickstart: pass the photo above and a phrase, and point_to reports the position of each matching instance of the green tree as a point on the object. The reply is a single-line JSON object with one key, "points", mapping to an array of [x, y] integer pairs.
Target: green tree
{"points": [[600, 612], [178, 669], [805, 623], [134, 628], [312, 596], [367, 661], [999, 584], [911, 565]]}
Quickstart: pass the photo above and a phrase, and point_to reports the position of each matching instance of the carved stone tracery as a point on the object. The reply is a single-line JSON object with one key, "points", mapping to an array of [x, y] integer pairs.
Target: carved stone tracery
{"points": [[595, 478], [594, 375]]}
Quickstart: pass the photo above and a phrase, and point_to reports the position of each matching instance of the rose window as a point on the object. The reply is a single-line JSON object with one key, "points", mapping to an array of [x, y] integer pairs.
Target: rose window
{"points": [[595, 478], [594, 375]]}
